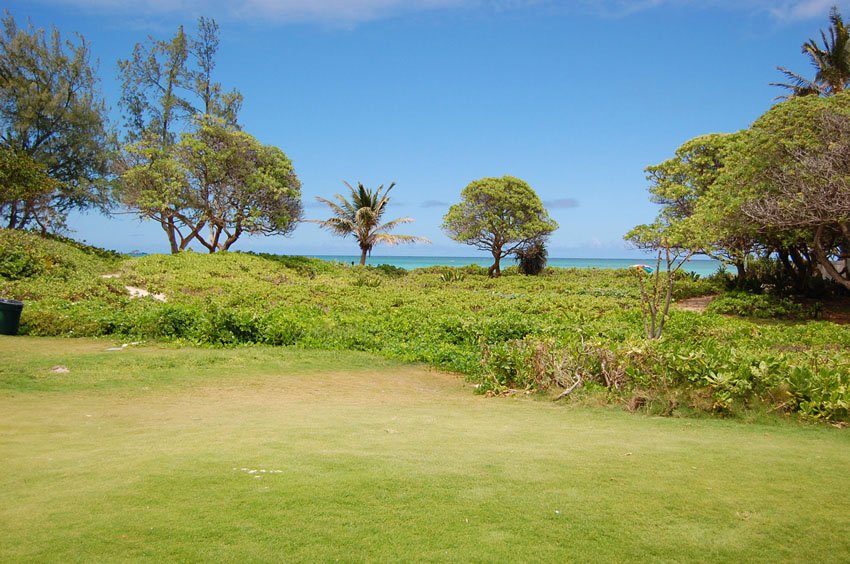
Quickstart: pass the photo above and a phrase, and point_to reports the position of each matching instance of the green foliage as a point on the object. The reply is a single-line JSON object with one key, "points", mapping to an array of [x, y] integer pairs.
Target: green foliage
{"points": [[498, 215], [305, 266], [168, 88], [532, 333], [532, 258], [25, 254], [773, 190], [54, 124], [388, 270], [763, 306], [217, 180]]}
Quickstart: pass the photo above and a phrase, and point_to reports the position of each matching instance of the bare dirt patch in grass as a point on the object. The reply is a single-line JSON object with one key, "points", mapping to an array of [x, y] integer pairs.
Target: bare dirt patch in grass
{"points": [[697, 304]]}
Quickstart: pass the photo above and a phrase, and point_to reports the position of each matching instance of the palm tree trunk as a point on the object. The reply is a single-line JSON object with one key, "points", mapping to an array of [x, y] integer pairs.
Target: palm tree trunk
{"points": [[362, 257]]}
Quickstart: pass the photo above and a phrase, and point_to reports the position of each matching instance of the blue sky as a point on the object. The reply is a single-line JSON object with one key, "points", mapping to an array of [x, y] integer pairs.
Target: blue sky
{"points": [[576, 97]]}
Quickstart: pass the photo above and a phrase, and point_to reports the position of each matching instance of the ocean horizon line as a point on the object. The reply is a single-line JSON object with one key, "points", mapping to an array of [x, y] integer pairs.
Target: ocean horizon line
{"points": [[703, 267]]}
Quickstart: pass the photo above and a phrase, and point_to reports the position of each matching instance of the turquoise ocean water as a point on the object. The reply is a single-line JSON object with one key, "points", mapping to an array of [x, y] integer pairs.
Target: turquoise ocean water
{"points": [[701, 267]]}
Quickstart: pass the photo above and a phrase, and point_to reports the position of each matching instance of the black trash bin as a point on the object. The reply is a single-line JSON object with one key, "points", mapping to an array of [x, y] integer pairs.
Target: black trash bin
{"points": [[10, 316]]}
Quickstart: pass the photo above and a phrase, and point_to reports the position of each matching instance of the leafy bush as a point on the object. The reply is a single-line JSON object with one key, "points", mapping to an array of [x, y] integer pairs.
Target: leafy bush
{"points": [[761, 306], [532, 258], [25, 254], [389, 270], [16, 264]]}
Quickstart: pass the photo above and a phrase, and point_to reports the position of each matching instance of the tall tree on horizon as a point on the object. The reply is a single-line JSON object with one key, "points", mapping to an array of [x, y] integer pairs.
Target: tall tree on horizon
{"points": [[831, 62], [167, 87], [361, 215]]}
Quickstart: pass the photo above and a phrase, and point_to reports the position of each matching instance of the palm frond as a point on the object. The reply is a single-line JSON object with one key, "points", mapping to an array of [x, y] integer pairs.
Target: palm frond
{"points": [[335, 208], [336, 225], [392, 240], [830, 58], [798, 85], [390, 225]]}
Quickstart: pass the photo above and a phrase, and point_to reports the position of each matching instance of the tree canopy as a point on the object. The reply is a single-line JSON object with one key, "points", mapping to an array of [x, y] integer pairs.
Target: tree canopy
{"points": [[217, 183], [498, 215], [776, 190], [52, 114]]}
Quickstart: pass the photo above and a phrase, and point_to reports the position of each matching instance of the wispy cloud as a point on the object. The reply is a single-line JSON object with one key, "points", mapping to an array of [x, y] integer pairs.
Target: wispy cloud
{"points": [[352, 12], [802, 9], [434, 204], [345, 12], [561, 203], [783, 10]]}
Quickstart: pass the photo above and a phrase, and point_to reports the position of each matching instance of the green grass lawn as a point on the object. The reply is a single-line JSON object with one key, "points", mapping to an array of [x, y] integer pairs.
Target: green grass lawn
{"points": [[264, 454]]}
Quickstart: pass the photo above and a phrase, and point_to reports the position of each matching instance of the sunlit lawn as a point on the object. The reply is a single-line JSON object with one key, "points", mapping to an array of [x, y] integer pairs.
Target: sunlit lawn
{"points": [[275, 454]]}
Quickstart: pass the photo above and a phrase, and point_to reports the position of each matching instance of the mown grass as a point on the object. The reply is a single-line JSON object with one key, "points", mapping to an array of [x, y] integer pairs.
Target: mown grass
{"points": [[138, 454]]}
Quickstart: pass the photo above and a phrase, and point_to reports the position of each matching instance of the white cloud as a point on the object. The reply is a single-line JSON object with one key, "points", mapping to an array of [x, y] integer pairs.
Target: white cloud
{"points": [[346, 11], [349, 12], [802, 9]]}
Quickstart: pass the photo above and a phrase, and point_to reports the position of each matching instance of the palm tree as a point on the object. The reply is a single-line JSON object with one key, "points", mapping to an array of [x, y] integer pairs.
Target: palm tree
{"points": [[832, 62], [360, 216]]}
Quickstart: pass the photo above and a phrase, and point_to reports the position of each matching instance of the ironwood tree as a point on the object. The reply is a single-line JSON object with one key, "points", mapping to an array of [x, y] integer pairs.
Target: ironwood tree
{"points": [[52, 122]]}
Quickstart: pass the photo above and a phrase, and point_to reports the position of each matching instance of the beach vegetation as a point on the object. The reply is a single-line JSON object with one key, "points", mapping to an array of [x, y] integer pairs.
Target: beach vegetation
{"points": [[532, 258], [218, 181], [56, 147], [500, 216], [586, 321], [168, 88], [360, 215], [768, 200]]}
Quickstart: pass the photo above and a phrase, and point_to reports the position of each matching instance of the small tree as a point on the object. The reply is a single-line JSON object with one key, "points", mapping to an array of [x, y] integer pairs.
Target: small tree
{"points": [[167, 87], [218, 183], [498, 215], [656, 287], [360, 216]]}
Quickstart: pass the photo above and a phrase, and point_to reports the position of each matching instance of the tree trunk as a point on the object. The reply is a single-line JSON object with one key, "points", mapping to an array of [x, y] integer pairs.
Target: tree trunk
{"points": [[741, 270], [363, 253], [231, 238], [823, 260], [495, 270], [168, 227], [13, 214]]}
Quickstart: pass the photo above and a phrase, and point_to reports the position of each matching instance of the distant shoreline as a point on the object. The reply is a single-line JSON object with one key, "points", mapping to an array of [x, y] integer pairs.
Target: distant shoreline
{"points": [[703, 267]]}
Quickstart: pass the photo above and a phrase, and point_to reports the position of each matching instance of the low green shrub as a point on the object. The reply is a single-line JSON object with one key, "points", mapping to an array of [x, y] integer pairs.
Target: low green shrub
{"points": [[761, 306], [389, 270], [452, 275]]}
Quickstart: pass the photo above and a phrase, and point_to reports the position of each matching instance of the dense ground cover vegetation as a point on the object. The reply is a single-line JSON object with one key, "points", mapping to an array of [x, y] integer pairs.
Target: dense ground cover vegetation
{"points": [[515, 333]]}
